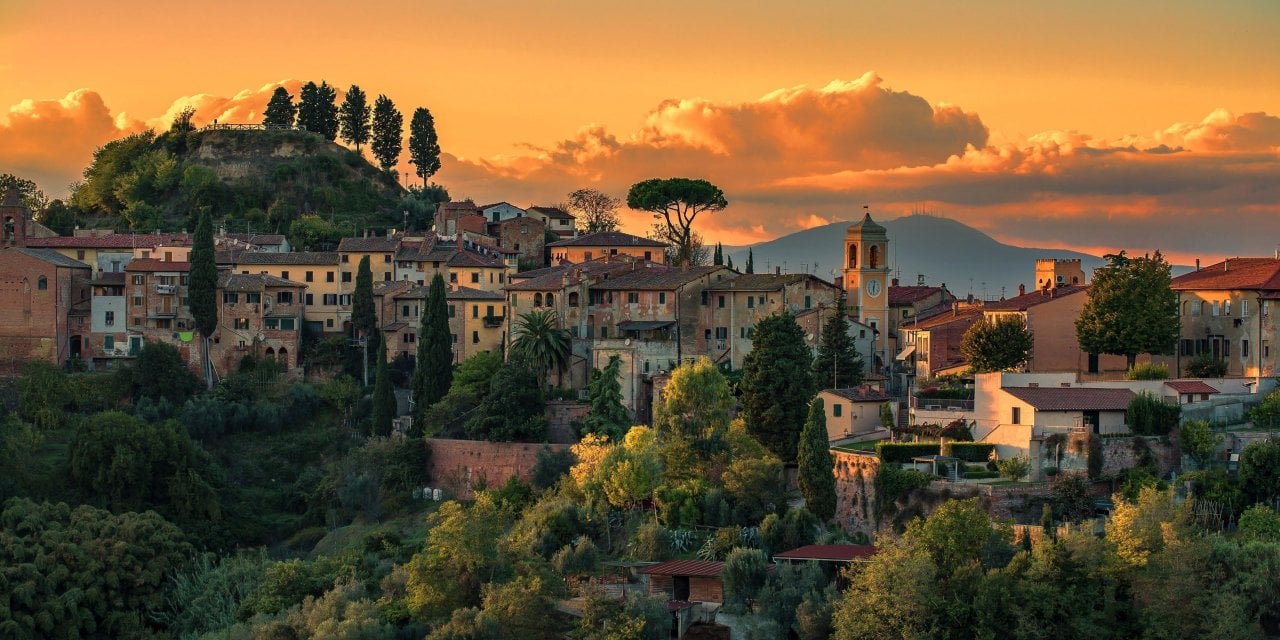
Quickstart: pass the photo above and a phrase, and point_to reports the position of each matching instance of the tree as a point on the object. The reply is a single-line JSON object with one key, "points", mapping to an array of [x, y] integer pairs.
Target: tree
{"points": [[424, 146], [31, 195], [384, 396], [608, 416], [159, 372], [1206, 366], [1131, 309], [837, 361], [777, 384], [696, 401], [434, 369], [1138, 529], [202, 290], [717, 258], [595, 210], [537, 339], [1015, 468], [353, 116], [280, 109], [364, 320], [328, 119], [676, 203], [751, 261], [310, 111], [460, 556], [42, 394], [1260, 470], [744, 574], [512, 411], [1259, 523], [997, 344], [816, 475], [388, 129]]}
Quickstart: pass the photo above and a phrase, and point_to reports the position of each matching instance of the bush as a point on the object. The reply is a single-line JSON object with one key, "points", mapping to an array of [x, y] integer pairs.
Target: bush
{"points": [[1148, 371], [904, 452], [651, 543], [969, 451], [744, 574], [1095, 458], [1265, 414], [1148, 415], [1014, 469], [892, 483], [1206, 366]]}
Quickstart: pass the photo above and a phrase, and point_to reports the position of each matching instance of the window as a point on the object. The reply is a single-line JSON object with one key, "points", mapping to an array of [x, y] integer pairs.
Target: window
{"points": [[573, 331], [310, 299], [451, 311], [1244, 348], [253, 297], [1195, 308], [386, 257], [80, 254], [1017, 415], [760, 301], [475, 277], [346, 276], [230, 298], [137, 301], [328, 323], [137, 321], [808, 302], [1226, 307], [704, 298], [475, 311], [604, 332], [242, 324], [572, 299], [586, 255], [1244, 308], [453, 277], [386, 276], [1188, 347], [488, 311], [537, 299], [720, 301], [751, 302], [1215, 307], [409, 337], [109, 342], [310, 276], [475, 337], [328, 276], [648, 255], [662, 297], [109, 319], [404, 311], [284, 275], [1266, 349], [453, 337], [551, 298], [633, 297], [343, 299], [722, 333], [137, 279], [331, 299], [346, 258], [837, 410], [285, 297], [1184, 307], [42, 283]]}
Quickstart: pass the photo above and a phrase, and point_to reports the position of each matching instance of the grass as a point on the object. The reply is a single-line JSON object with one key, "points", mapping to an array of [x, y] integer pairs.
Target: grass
{"points": [[866, 445]]}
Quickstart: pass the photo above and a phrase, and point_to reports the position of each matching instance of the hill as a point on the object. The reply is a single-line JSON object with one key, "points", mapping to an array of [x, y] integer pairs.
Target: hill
{"points": [[944, 251], [256, 179]]}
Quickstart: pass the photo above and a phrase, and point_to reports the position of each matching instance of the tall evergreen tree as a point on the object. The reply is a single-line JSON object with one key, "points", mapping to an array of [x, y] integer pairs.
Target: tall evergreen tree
{"points": [[388, 127], [280, 110], [424, 146], [310, 115], [729, 261], [328, 97], [816, 474], [364, 320], [837, 364], [608, 416], [718, 257], [434, 371], [751, 261], [384, 396], [202, 289], [353, 117], [777, 384]]}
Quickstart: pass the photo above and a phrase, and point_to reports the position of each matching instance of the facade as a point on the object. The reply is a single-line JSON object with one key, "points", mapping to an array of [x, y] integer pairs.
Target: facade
{"points": [[500, 212], [109, 252], [477, 319], [329, 284], [854, 413], [558, 221], [258, 315], [607, 243], [931, 346], [736, 304], [1058, 273], [380, 251], [448, 215], [1226, 312], [1051, 315], [525, 235], [44, 303]]}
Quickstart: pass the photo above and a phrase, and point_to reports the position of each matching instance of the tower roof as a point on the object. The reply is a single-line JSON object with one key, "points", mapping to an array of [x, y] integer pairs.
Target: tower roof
{"points": [[867, 225], [11, 198]]}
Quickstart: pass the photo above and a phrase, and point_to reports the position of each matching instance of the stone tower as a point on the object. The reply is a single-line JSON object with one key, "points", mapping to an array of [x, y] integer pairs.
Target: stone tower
{"points": [[13, 220], [866, 279]]}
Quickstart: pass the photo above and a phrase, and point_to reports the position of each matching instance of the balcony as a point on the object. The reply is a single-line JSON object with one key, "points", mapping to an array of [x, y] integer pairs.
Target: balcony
{"points": [[166, 289], [941, 404], [493, 322]]}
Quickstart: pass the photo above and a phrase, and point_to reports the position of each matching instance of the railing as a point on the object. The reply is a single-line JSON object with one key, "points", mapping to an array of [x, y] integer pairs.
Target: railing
{"points": [[941, 404], [230, 126], [167, 289], [491, 322]]}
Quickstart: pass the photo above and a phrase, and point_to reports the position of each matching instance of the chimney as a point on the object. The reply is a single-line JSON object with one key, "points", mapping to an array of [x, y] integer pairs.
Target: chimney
{"points": [[777, 271], [955, 308], [1225, 262], [1197, 264], [893, 283], [1022, 289]]}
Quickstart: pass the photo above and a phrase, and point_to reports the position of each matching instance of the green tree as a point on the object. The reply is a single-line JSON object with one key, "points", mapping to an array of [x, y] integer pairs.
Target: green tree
{"points": [[202, 291], [538, 339], [388, 131], [676, 203], [717, 258], [310, 111], [1131, 309], [1138, 528], [837, 362], [353, 117], [42, 394], [460, 556], [696, 402], [1260, 469], [629, 474], [328, 120], [424, 145], [997, 344], [608, 416], [512, 411], [1206, 366], [1259, 523], [280, 110], [60, 217], [159, 372], [364, 319], [1197, 439], [816, 475], [384, 396], [1266, 413], [32, 197], [1015, 468], [751, 261], [312, 233], [594, 210], [433, 372], [744, 574], [777, 384]]}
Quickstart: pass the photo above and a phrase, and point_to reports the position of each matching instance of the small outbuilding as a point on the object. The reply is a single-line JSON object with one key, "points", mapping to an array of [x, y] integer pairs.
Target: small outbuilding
{"points": [[686, 580]]}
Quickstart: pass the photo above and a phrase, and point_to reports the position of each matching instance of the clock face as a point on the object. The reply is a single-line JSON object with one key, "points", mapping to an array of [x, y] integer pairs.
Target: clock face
{"points": [[873, 288]]}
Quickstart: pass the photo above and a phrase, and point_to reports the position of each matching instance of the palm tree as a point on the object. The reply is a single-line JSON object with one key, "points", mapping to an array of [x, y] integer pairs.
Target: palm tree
{"points": [[538, 340]]}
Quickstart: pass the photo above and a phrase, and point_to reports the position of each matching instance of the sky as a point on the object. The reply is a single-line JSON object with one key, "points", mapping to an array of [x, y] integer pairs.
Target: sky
{"points": [[1088, 125]]}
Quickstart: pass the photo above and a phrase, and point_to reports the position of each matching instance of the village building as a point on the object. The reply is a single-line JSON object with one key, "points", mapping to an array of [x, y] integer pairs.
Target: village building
{"points": [[735, 304], [259, 316], [558, 221], [931, 345], [329, 283], [1226, 312], [500, 212], [854, 414], [524, 235], [606, 243]]}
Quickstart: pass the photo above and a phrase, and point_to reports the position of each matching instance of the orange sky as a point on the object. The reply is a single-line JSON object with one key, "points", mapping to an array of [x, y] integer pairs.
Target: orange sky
{"points": [[1030, 121]]}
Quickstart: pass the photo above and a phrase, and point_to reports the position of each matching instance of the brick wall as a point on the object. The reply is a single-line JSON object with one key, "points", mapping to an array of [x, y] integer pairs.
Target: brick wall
{"points": [[560, 417], [458, 465]]}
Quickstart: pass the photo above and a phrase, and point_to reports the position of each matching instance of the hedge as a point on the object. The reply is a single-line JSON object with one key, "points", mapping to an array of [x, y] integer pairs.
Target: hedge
{"points": [[905, 451], [970, 451]]}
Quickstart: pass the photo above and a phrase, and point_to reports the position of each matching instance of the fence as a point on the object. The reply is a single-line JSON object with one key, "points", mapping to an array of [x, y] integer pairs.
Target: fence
{"points": [[232, 126]]}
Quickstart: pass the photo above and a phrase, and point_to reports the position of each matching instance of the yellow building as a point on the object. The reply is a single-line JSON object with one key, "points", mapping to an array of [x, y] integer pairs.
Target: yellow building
{"points": [[608, 243], [380, 251], [477, 319], [327, 299]]}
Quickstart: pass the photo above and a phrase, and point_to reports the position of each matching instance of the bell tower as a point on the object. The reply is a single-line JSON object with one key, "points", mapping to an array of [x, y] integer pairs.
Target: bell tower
{"points": [[866, 279], [13, 220]]}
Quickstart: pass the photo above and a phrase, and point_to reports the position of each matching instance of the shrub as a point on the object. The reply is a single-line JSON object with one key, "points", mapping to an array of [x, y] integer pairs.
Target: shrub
{"points": [[903, 452], [1148, 415], [969, 451], [1148, 371], [892, 483], [1015, 468], [1206, 366], [1095, 458], [744, 574], [1267, 411], [651, 543]]}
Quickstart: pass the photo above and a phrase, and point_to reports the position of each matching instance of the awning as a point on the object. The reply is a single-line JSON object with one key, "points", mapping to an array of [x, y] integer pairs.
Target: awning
{"points": [[906, 353], [643, 325]]}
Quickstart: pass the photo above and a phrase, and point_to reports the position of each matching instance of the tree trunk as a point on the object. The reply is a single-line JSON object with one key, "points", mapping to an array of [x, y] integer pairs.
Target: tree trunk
{"points": [[1131, 360], [206, 363]]}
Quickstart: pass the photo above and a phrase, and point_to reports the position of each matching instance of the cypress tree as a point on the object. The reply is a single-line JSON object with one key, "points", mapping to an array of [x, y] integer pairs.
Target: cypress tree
{"points": [[434, 370], [777, 384], [384, 396], [424, 146], [202, 289], [327, 98], [354, 117], [837, 364], [816, 474], [388, 127], [280, 110], [730, 262], [309, 110], [608, 416], [751, 261], [364, 320], [718, 257]]}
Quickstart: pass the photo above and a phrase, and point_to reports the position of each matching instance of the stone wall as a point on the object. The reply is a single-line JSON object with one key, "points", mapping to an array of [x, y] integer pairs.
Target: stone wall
{"points": [[856, 491], [561, 414], [457, 466]]}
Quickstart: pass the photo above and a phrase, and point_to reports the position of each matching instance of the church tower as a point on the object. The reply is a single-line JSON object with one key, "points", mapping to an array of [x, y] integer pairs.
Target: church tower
{"points": [[13, 220], [866, 280]]}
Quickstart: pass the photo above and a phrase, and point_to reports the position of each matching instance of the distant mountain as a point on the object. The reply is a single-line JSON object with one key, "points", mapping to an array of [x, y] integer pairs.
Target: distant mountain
{"points": [[944, 251]]}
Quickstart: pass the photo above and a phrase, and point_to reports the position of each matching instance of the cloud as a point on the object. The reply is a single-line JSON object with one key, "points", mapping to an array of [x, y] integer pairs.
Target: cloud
{"points": [[245, 106], [52, 141]]}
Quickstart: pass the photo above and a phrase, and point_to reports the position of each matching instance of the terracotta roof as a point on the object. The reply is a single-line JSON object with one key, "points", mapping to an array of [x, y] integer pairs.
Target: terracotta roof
{"points": [[552, 278], [1072, 398], [859, 394], [829, 552], [460, 206], [1190, 386], [395, 326], [696, 568], [473, 259], [1028, 300], [368, 245], [153, 264], [1235, 273], [467, 293], [656, 277], [290, 258], [52, 257], [111, 241], [253, 282], [384, 287], [967, 315], [482, 207], [551, 212], [607, 239], [763, 282], [908, 295]]}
